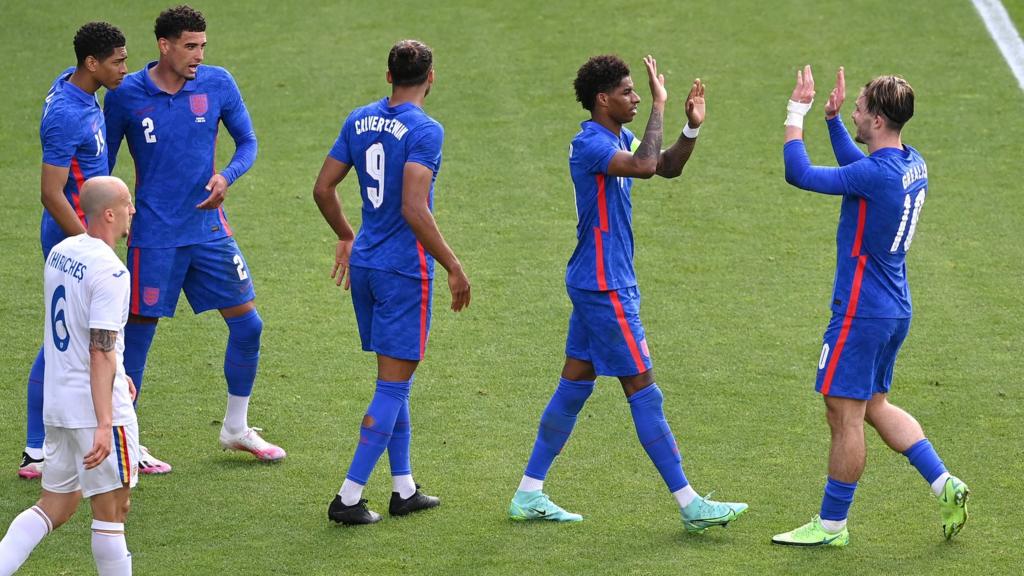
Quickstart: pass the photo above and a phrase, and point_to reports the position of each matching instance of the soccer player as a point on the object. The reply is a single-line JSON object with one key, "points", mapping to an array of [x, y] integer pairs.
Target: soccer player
{"points": [[74, 149], [396, 151], [170, 112], [91, 432], [606, 336], [883, 193]]}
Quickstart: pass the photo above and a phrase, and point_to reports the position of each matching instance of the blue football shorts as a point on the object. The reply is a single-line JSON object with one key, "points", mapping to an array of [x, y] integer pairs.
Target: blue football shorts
{"points": [[858, 356], [605, 330], [392, 311], [213, 275]]}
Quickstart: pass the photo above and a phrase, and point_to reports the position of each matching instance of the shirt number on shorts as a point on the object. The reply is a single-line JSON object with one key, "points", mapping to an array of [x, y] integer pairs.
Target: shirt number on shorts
{"points": [[918, 203], [147, 130], [240, 266], [824, 356], [58, 321], [375, 170]]}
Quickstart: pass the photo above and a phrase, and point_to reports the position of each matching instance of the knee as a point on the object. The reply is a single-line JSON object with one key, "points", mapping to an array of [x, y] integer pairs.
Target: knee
{"points": [[246, 329]]}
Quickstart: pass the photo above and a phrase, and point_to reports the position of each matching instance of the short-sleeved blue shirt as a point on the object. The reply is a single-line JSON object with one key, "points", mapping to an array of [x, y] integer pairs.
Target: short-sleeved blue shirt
{"points": [[378, 140], [603, 259]]}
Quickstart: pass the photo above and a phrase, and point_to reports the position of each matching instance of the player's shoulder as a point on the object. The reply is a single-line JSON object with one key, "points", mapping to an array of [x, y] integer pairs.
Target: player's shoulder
{"points": [[133, 84], [215, 77]]}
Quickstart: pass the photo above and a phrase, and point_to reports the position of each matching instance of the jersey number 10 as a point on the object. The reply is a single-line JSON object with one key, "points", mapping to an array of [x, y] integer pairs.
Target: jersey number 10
{"points": [[375, 170], [918, 203]]}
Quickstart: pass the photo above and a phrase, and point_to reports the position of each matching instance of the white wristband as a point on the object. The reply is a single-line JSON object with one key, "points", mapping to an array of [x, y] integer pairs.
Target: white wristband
{"points": [[795, 112], [691, 133]]}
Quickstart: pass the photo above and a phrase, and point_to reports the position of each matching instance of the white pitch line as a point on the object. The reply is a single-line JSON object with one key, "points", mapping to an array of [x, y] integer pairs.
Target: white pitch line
{"points": [[1002, 30]]}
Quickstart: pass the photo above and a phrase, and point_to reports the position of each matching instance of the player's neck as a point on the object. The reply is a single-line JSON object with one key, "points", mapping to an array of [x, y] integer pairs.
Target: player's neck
{"points": [[165, 78], [606, 121], [885, 141], [104, 233], [81, 78], [402, 94]]}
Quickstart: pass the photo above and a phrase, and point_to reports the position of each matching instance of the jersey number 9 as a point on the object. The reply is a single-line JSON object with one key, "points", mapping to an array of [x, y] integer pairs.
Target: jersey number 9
{"points": [[375, 170]]}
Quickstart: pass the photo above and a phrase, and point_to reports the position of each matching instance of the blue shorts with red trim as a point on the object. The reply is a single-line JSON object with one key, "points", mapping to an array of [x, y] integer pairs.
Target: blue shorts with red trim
{"points": [[858, 356], [605, 330], [213, 275], [392, 311]]}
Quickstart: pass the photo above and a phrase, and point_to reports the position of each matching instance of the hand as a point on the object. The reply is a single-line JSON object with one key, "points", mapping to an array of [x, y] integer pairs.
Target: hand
{"points": [[458, 283], [101, 442], [695, 105], [132, 391], [836, 96], [804, 90], [218, 189], [342, 254], [658, 93]]}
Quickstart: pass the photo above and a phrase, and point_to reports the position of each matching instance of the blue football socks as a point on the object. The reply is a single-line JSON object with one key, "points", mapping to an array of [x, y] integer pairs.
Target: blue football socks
{"points": [[923, 457], [35, 431], [138, 337], [556, 424], [242, 357], [656, 437], [377, 427], [401, 438], [835, 505]]}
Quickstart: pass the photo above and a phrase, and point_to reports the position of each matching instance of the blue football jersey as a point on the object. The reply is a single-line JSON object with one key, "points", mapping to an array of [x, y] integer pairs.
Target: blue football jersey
{"points": [[882, 199], [603, 259], [378, 140], [72, 135], [173, 140]]}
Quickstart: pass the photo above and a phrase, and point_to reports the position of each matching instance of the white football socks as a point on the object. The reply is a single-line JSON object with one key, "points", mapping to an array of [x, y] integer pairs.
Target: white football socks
{"points": [[109, 549], [26, 531], [685, 495], [404, 485], [833, 526], [350, 492], [236, 419], [528, 484], [34, 453], [940, 483]]}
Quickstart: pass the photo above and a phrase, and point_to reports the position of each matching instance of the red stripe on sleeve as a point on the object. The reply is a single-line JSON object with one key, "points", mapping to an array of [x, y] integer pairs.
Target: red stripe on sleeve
{"points": [[862, 216], [602, 202], [76, 173], [627, 333]]}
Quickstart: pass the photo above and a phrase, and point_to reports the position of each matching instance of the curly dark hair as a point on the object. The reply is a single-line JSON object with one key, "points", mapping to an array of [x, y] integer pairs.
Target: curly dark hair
{"points": [[97, 39], [599, 74], [892, 97], [409, 62], [173, 21]]}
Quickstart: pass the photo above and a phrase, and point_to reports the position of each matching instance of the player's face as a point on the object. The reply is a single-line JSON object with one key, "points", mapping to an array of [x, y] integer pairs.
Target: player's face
{"points": [[622, 101], [184, 54], [863, 120], [123, 212], [111, 71]]}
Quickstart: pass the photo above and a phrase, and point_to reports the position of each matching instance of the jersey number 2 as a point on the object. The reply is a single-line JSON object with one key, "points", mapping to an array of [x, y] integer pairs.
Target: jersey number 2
{"points": [[375, 170], [147, 132]]}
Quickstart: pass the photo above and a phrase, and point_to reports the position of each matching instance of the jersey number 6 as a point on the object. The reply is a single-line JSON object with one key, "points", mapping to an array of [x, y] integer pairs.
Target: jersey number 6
{"points": [[375, 170]]}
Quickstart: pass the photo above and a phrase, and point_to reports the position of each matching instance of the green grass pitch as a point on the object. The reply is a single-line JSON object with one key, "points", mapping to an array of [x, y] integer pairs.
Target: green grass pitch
{"points": [[735, 268]]}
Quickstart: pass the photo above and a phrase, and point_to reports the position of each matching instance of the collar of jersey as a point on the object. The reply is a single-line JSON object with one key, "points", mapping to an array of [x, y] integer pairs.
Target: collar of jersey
{"points": [[153, 89], [396, 109], [593, 125], [77, 93]]}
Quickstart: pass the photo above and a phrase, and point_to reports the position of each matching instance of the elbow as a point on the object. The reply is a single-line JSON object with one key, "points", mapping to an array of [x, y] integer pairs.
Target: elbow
{"points": [[647, 170]]}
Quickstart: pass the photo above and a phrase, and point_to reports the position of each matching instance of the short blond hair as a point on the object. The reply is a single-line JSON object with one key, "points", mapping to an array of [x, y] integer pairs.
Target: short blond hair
{"points": [[892, 97]]}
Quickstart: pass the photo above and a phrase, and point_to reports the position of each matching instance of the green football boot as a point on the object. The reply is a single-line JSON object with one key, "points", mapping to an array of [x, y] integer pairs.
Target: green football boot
{"points": [[702, 513], [537, 506], [953, 505], [812, 534]]}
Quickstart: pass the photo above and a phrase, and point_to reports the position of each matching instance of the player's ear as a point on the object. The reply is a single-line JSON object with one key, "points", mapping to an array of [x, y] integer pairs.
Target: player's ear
{"points": [[601, 99], [91, 63], [164, 45], [430, 76], [390, 81]]}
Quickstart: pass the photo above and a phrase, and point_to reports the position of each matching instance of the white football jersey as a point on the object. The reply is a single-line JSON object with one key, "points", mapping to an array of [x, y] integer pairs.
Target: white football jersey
{"points": [[85, 286]]}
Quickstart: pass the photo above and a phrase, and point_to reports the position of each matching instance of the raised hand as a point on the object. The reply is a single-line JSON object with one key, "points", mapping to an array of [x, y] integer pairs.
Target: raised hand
{"points": [[658, 93], [804, 90], [837, 96], [695, 111]]}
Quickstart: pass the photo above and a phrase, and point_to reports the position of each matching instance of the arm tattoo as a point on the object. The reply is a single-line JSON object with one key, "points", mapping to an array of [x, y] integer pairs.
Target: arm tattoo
{"points": [[102, 340], [650, 147]]}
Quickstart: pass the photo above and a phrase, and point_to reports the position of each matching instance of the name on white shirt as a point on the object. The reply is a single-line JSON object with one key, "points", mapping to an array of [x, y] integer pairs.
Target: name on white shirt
{"points": [[67, 265]]}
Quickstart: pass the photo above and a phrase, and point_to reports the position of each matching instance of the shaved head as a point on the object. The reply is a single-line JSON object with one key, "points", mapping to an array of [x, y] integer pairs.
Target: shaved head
{"points": [[102, 192]]}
